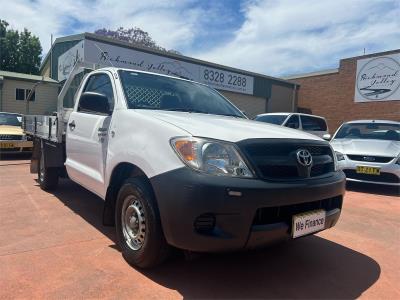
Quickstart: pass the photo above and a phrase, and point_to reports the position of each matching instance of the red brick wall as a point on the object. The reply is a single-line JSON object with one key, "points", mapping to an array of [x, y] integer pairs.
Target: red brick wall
{"points": [[332, 96]]}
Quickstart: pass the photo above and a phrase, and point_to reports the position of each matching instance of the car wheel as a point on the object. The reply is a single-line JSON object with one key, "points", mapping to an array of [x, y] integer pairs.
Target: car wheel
{"points": [[138, 225], [47, 177]]}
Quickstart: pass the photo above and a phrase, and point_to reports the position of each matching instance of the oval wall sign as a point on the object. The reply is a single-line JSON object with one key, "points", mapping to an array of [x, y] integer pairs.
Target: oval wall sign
{"points": [[379, 78]]}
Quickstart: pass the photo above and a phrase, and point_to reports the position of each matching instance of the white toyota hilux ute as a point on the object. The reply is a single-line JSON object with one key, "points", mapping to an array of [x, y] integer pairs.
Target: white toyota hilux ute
{"points": [[180, 166]]}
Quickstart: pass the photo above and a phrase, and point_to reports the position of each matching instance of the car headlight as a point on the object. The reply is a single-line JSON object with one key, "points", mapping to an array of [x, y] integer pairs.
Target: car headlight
{"points": [[211, 157], [339, 156], [398, 160]]}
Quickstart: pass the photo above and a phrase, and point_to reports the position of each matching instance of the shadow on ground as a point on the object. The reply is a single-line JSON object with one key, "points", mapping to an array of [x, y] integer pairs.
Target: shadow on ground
{"points": [[311, 267], [11, 157], [385, 190], [85, 204]]}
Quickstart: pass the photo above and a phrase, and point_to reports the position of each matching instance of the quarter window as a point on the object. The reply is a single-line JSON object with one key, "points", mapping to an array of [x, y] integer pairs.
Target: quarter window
{"points": [[313, 124]]}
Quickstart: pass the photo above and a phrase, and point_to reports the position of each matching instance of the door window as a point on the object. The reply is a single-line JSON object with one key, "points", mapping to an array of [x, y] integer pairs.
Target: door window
{"points": [[313, 124], [101, 83], [293, 122]]}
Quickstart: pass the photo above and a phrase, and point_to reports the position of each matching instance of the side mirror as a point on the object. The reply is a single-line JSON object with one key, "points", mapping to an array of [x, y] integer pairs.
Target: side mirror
{"points": [[327, 137], [96, 103]]}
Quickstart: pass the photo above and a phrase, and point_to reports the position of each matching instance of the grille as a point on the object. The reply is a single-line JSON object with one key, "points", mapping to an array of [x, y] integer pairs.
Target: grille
{"points": [[383, 177], [10, 137], [271, 215], [276, 159], [380, 159]]}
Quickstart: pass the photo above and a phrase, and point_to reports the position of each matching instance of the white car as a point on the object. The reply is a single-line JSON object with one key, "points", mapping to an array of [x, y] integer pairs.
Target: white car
{"points": [[310, 123], [369, 151], [179, 165]]}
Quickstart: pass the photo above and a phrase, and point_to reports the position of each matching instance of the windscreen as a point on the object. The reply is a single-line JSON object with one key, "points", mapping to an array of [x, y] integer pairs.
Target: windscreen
{"points": [[148, 91], [273, 119], [370, 131], [10, 119]]}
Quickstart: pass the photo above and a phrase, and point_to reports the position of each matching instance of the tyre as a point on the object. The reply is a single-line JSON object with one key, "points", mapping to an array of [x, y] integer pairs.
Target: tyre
{"points": [[138, 225], [47, 177]]}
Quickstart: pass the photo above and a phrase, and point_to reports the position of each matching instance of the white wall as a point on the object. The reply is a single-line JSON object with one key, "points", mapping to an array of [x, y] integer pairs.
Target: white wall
{"points": [[45, 99]]}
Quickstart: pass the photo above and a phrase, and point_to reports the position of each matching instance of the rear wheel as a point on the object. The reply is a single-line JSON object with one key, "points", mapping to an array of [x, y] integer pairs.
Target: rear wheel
{"points": [[138, 225], [47, 177]]}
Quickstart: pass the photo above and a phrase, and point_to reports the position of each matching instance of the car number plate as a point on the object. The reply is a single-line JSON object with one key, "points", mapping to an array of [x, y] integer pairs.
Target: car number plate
{"points": [[6, 145], [308, 222], [368, 170]]}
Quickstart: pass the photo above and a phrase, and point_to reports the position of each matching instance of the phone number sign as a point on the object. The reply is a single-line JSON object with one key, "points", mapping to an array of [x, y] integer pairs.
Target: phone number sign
{"points": [[224, 80], [104, 54]]}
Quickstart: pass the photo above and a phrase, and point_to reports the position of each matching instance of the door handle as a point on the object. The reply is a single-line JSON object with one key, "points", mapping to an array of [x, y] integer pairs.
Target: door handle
{"points": [[72, 125]]}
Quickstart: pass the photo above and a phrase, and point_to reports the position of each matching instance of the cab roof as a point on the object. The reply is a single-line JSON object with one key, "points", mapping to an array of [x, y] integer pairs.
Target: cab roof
{"points": [[372, 121]]}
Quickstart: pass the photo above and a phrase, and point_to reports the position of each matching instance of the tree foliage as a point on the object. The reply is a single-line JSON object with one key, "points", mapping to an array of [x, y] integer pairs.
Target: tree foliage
{"points": [[133, 35], [19, 51]]}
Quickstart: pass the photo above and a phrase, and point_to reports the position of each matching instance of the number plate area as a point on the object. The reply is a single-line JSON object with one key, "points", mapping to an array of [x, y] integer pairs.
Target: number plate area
{"points": [[368, 170], [4, 145], [308, 222]]}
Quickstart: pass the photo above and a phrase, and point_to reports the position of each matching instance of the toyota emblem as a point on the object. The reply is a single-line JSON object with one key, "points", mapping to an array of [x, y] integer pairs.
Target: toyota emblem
{"points": [[304, 157]]}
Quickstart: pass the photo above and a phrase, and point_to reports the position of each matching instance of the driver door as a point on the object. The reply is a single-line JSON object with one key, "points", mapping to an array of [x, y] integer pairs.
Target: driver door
{"points": [[87, 137]]}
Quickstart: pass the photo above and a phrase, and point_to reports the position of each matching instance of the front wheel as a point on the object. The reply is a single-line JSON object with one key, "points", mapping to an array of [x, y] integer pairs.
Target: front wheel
{"points": [[47, 177], [138, 225]]}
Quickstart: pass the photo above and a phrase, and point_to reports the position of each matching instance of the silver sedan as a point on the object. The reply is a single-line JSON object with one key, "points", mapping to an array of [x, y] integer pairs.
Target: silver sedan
{"points": [[369, 151]]}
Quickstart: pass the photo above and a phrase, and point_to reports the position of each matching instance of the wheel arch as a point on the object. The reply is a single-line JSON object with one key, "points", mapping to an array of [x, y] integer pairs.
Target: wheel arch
{"points": [[119, 174]]}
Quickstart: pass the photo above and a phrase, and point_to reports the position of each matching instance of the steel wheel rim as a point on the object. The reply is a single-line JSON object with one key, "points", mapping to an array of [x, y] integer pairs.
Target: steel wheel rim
{"points": [[133, 221], [41, 167]]}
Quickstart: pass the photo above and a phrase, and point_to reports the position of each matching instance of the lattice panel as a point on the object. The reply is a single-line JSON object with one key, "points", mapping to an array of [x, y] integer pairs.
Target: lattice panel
{"points": [[140, 96]]}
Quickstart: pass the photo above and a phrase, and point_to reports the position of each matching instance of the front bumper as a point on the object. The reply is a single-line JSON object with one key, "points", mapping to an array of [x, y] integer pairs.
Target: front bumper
{"points": [[390, 172], [15, 146], [183, 195]]}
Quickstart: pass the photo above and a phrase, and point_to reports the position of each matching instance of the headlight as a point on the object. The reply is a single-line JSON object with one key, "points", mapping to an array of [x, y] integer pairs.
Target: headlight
{"points": [[398, 160], [339, 156], [211, 157]]}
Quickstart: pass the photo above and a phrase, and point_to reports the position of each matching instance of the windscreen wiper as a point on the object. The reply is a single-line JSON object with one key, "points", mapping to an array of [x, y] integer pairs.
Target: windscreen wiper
{"points": [[230, 115], [189, 110]]}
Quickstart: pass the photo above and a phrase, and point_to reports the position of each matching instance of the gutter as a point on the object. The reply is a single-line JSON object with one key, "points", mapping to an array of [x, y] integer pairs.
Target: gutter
{"points": [[1, 92], [294, 97]]}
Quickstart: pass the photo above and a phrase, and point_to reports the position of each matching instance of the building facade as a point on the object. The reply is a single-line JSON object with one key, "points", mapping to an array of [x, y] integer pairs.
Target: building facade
{"points": [[15, 89], [363, 87], [253, 93]]}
